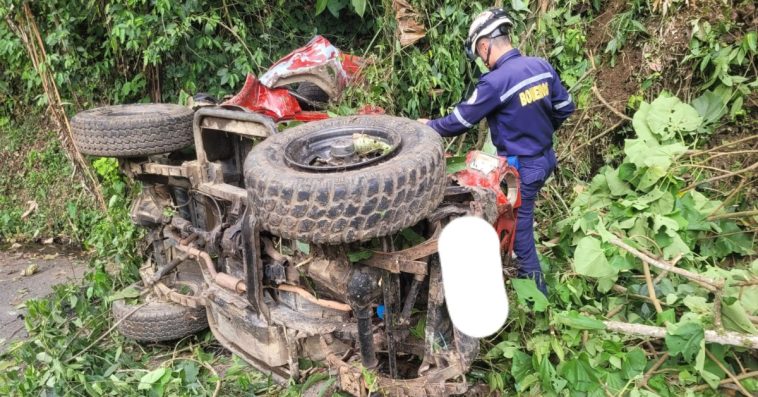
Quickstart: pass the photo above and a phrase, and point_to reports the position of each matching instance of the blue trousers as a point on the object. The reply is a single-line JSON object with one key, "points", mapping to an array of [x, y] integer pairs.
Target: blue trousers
{"points": [[533, 171]]}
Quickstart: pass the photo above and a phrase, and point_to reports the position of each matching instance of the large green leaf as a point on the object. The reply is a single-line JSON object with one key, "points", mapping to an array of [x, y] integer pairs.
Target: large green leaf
{"points": [[653, 162], [685, 339], [590, 260], [731, 239], [642, 154], [575, 320], [676, 247], [521, 366], [639, 122], [149, 379], [668, 116], [359, 6], [321, 6], [528, 294], [734, 317], [709, 106], [634, 363], [617, 186], [580, 374], [455, 164]]}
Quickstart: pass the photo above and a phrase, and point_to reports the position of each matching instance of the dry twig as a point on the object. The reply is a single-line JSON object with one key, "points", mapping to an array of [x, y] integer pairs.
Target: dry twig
{"points": [[720, 177], [664, 273], [707, 282], [729, 197], [728, 373], [699, 152], [106, 332], [594, 138], [725, 381], [608, 105], [646, 378], [731, 215], [651, 288]]}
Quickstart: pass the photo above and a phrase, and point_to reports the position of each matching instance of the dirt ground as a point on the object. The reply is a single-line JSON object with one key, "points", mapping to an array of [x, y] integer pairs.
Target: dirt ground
{"points": [[54, 265]]}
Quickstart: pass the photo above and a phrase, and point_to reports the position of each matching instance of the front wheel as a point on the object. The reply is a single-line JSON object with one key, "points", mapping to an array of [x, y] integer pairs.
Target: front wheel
{"points": [[151, 319], [346, 179]]}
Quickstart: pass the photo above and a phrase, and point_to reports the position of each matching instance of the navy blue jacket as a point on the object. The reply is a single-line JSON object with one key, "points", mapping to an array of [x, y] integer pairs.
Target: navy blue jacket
{"points": [[523, 100]]}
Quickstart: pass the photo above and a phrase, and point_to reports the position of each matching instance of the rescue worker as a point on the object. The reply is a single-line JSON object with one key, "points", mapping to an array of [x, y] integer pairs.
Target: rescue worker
{"points": [[524, 103]]}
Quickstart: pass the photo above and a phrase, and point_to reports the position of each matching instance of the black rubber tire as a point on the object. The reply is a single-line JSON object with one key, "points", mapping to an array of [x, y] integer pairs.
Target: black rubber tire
{"points": [[353, 205], [312, 92], [158, 321], [133, 130]]}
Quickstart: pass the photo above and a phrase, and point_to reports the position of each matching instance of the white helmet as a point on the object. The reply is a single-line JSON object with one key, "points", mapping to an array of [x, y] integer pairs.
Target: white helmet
{"points": [[493, 22]]}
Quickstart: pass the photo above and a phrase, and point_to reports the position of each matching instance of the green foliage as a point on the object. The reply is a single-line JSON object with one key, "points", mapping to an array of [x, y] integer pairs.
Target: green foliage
{"points": [[624, 27], [566, 349], [336, 6], [723, 67], [130, 50], [685, 339], [528, 295], [39, 200]]}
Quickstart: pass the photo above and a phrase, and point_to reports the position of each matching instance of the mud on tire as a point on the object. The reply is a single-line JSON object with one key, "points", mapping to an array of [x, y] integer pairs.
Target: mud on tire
{"points": [[351, 205], [159, 321], [133, 130]]}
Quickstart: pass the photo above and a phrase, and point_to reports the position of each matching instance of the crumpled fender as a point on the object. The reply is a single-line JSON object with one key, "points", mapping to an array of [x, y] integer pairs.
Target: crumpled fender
{"points": [[487, 171], [318, 62]]}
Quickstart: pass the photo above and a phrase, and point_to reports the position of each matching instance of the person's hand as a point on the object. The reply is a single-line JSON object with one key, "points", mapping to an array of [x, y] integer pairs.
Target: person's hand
{"points": [[423, 121]]}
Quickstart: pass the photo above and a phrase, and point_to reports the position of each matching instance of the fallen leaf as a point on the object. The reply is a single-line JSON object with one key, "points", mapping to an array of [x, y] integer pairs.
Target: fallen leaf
{"points": [[15, 246], [50, 257], [32, 207], [30, 270], [48, 240], [409, 30]]}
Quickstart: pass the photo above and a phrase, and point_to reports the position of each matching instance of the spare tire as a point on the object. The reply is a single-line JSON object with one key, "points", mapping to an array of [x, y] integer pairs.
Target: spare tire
{"points": [[133, 130], [315, 97], [303, 184], [154, 320]]}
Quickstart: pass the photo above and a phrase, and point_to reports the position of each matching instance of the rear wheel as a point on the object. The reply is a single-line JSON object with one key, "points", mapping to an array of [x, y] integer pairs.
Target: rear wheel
{"points": [[133, 130]]}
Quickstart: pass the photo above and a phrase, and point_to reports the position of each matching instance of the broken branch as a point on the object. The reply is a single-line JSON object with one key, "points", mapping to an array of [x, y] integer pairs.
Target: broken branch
{"points": [[720, 177], [707, 282], [651, 288], [699, 152], [651, 371], [728, 338], [728, 373], [608, 105], [725, 381], [730, 215]]}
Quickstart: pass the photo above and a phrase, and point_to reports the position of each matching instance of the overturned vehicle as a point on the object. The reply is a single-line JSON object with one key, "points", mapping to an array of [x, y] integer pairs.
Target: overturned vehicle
{"points": [[318, 242]]}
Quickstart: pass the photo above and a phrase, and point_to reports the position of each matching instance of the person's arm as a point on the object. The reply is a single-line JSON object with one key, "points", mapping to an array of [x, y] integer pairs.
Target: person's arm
{"points": [[467, 114], [563, 104]]}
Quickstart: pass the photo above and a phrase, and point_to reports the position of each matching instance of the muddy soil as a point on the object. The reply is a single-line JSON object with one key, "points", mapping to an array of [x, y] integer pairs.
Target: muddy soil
{"points": [[54, 265]]}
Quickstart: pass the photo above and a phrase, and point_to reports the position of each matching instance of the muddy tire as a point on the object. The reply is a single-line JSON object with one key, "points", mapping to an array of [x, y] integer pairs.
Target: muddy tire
{"points": [[159, 321], [133, 130], [312, 92], [343, 206]]}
